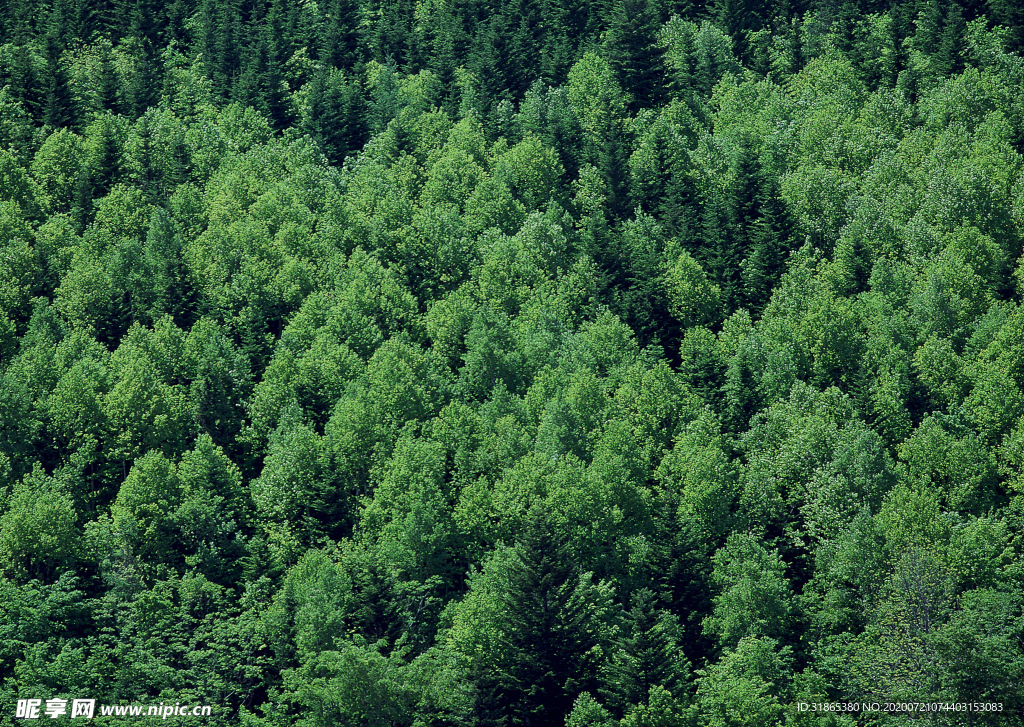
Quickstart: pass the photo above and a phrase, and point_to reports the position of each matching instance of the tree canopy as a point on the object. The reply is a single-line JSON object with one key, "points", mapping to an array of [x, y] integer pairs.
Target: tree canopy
{"points": [[646, 364]]}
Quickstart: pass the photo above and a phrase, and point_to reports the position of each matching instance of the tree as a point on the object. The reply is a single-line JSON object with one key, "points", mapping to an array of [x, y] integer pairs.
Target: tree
{"points": [[340, 39], [409, 514], [213, 513], [693, 299], [660, 170], [144, 412], [143, 512], [101, 165], [58, 105], [601, 106], [631, 46], [535, 625], [1012, 17], [56, 167], [40, 537], [334, 113], [748, 686], [754, 598], [588, 712], [19, 264], [294, 500], [698, 56], [978, 648], [648, 655]]}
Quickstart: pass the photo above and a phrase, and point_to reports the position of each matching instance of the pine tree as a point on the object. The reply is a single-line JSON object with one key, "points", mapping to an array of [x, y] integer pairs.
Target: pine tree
{"points": [[929, 26], [737, 18], [63, 24], [23, 82], [485, 56], [58, 109], [1009, 13], [103, 96], [260, 83], [178, 13], [101, 168], [746, 213], [283, 26], [392, 37], [335, 115], [439, 41], [768, 229], [746, 188], [632, 48], [552, 627], [949, 52], [141, 92], [558, 47], [523, 48], [222, 38], [99, 17], [762, 267], [721, 249], [145, 32], [648, 655], [339, 44]]}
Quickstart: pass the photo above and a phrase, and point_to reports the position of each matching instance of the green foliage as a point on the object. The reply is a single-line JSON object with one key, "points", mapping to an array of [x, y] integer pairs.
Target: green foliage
{"points": [[693, 299], [39, 534], [647, 658], [748, 686], [451, 363], [754, 598]]}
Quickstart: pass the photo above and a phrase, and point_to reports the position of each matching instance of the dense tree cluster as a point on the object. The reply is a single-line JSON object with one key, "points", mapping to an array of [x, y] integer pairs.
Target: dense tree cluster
{"points": [[646, 363]]}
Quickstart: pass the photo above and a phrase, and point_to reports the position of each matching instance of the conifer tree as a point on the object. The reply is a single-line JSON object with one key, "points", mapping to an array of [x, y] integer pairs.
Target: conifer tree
{"points": [[647, 655], [631, 46], [552, 617], [1010, 14], [335, 114], [339, 43], [24, 85], [58, 109], [949, 51], [722, 247]]}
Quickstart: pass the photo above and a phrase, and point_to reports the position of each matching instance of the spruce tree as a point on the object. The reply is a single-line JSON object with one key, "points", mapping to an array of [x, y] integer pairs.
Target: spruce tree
{"points": [[553, 627], [392, 37], [721, 251], [141, 92], [99, 18], [58, 109], [100, 172], [631, 46], [104, 94], [737, 18], [647, 655], [949, 51], [23, 81], [1009, 13], [339, 44], [486, 55], [523, 49], [335, 115]]}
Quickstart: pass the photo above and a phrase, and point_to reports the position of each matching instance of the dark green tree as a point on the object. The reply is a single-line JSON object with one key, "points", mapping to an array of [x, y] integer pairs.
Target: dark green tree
{"points": [[648, 655], [552, 625], [631, 46], [335, 114]]}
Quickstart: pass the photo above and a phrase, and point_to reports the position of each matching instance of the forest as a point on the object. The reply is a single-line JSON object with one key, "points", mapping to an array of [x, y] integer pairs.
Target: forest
{"points": [[534, 363]]}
